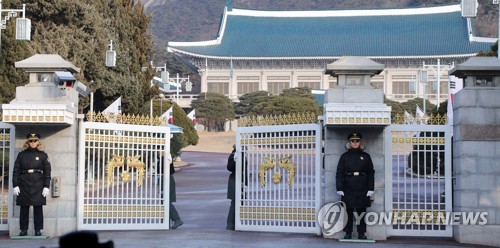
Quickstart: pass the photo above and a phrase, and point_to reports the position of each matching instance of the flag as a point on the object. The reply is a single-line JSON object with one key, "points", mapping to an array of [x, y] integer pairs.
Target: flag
{"points": [[420, 115], [206, 67], [169, 115], [407, 118], [192, 117], [231, 70], [455, 85], [449, 110], [114, 111]]}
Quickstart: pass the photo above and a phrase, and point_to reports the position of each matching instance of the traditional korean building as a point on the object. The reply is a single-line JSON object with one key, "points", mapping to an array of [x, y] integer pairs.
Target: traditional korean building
{"points": [[274, 50]]}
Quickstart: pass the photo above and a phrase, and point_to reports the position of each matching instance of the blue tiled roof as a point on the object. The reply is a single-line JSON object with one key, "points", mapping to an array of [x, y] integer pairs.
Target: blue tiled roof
{"points": [[392, 35]]}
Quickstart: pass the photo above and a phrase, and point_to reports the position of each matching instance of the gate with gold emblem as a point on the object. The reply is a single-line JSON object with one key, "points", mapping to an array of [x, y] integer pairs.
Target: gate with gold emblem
{"points": [[278, 177], [123, 172], [7, 146], [418, 177]]}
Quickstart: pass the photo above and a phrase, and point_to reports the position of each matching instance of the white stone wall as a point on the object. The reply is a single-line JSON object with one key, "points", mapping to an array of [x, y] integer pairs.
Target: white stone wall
{"points": [[476, 145], [60, 141]]}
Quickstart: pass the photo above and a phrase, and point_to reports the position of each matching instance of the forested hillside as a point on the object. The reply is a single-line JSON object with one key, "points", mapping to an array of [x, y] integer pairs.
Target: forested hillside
{"points": [[80, 31], [196, 20]]}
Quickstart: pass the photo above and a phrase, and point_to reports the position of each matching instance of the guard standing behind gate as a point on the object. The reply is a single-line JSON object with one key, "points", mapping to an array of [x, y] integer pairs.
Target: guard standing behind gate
{"points": [[231, 184], [173, 214], [355, 182], [31, 181]]}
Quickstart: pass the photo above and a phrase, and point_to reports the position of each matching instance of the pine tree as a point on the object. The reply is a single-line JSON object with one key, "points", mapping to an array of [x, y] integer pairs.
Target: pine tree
{"points": [[80, 31]]}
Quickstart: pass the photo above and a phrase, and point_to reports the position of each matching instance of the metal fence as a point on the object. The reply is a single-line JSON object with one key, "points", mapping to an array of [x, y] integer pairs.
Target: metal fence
{"points": [[123, 177], [418, 179], [278, 178], [7, 147]]}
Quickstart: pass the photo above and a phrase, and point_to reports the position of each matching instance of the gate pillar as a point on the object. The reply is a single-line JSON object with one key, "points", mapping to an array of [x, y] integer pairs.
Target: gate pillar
{"points": [[48, 105], [354, 105], [476, 143]]}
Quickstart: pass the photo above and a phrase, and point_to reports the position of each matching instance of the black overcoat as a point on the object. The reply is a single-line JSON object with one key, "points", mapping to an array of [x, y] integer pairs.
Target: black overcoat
{"points": [[173, 194], [231, 182], [355, 177], [31, 184], [159, 170]]}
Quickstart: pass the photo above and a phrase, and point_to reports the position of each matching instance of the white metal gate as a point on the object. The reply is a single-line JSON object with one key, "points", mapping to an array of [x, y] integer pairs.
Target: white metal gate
{"points": [[7, 147], [418, 179], [120, 186], [280, 191]]}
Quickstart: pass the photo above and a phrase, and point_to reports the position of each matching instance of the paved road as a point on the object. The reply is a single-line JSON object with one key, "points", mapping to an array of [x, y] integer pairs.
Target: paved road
{"points": [[202, 204]]}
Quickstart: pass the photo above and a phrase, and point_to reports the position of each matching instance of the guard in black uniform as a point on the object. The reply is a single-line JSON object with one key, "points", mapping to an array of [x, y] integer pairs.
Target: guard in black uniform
{"points": [[355, 182], [231, 184], [31, 181], [173, 214]]}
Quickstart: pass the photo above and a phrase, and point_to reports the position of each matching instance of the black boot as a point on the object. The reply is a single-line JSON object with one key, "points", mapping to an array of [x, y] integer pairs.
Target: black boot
{"points": [[361, 236], [348, 236], [23, 233], [38, 233]]}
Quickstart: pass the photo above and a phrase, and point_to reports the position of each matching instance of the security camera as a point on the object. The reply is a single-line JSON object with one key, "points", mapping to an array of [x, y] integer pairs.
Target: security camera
{"points": [[64, 79], [82, 89]]}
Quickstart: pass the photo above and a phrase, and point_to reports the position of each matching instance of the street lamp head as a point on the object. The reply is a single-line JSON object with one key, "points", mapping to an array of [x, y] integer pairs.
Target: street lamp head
{"points": [[161, 96]]}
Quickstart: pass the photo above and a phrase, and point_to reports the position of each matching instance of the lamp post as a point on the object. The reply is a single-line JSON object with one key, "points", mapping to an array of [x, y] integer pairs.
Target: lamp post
{"points": [[164, 74], [23, 25], [178, 84], [161, 96], [436, 69]]}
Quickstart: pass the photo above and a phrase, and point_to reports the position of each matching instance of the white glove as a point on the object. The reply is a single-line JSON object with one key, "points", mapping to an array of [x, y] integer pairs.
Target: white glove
{"points": [[340, 193], [45, 192], [369, 193], [16, 190]]}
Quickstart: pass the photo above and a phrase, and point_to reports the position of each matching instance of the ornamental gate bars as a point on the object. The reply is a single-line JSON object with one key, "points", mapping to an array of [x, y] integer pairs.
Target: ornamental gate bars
{"points": [[7, 147], [278, 178], [418, 179], [122, 175]]}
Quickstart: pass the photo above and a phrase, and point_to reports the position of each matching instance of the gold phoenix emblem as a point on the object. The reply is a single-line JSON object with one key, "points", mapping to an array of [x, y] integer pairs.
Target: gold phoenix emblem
{"points": [[270, 163], [131, 162], [286, 164]]}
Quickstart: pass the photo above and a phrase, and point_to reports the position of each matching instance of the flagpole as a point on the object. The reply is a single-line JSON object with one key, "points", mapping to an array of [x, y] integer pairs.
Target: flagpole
{"points": [[91, 106]]}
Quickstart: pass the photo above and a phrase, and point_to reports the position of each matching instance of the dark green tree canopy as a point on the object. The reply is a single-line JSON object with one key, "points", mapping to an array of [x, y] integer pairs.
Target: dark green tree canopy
{"points": [[248, 101], [293, 100], [80, 32], [214, 110], [411, 105], [190, 136]]}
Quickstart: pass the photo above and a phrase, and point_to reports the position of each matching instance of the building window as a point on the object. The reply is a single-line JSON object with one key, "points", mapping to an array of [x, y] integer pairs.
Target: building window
{"points": [[221, 88], [310, 85], [332, 82], [218, 84], [277, 88], [399, 87], [432, 87], [247, 87], [311, 82], [276, 84], [401, 90]]}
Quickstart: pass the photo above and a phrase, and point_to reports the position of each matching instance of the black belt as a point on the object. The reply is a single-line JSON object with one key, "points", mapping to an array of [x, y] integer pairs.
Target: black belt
{"points": [[32, 171], [355, 173]]}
